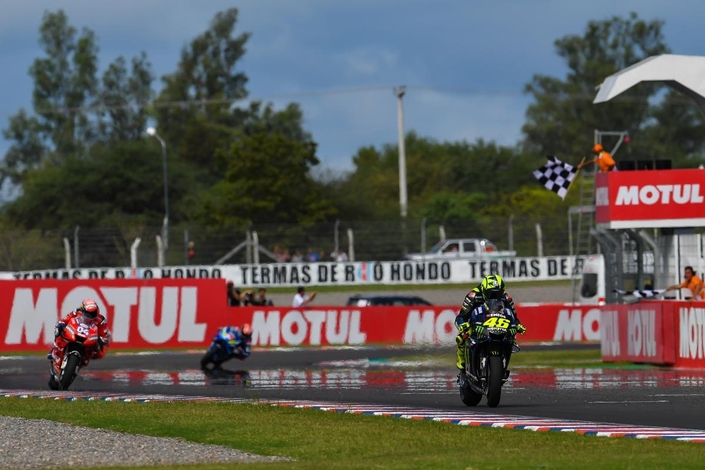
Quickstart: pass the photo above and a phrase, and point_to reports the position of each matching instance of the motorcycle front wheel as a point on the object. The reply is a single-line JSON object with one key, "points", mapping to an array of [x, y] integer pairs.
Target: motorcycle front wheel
{"points": [[494, 381], [70, 371], [209, 356]]}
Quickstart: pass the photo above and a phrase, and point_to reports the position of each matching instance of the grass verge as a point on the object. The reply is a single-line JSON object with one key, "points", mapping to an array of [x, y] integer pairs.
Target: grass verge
{"points": [[317, 439]]}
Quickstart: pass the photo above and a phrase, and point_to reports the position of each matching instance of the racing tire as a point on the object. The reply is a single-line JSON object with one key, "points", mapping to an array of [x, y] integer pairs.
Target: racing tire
{"points": [[208, 357], [494, 381], [70, 371], [469, 396], [53, 384]]}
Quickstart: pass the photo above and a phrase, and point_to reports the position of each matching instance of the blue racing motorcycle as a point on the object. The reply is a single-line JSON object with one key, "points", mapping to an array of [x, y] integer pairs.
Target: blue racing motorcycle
{"points": [[228, 343]]}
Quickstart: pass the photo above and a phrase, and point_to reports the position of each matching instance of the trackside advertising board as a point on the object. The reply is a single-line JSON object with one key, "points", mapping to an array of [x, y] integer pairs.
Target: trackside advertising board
{"points": [[650, 198], [173, 313], [655, 332], [332, 274]]}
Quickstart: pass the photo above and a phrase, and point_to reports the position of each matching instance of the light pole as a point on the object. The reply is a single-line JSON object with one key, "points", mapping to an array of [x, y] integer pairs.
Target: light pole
{"points": [[400, 91], [165, 236]]}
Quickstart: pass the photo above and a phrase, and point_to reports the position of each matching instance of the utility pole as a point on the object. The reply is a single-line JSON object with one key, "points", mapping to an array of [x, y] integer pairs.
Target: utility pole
{"points": [[400, 91]]}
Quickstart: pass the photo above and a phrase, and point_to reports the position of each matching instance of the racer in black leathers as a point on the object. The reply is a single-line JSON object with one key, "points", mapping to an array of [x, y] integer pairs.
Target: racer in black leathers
{"points": [[491, 287]]}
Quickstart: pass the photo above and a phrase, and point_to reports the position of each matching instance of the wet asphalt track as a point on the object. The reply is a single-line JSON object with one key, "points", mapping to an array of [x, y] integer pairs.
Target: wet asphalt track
{"points": [[655, 397]]}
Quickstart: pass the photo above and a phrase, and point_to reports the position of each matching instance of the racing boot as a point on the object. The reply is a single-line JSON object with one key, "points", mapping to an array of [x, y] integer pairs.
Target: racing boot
{"points": [[460, 361]]}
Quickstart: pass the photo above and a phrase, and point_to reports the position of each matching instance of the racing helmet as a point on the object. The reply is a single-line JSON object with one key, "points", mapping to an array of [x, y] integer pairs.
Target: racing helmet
{"points": [[597, 148], [89, 308], [492, 287], [246, 330]]}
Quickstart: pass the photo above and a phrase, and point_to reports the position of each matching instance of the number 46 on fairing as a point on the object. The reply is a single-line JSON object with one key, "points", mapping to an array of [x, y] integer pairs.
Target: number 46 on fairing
{"points": [[495, 322]]}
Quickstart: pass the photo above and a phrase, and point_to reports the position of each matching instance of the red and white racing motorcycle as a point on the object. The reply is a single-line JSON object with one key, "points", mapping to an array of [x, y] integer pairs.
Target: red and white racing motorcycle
{"points": [[75, 346]]}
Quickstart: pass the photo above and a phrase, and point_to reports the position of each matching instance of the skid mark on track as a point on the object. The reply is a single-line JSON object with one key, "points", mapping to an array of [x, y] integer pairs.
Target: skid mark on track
{"points": [[462, 418]]}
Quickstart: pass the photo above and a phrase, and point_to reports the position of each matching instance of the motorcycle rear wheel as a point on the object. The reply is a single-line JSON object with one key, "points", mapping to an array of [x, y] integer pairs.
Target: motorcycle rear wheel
{"points": [[70, 371], [469, 396], [208, 357], [53, 384], [494, 381]]}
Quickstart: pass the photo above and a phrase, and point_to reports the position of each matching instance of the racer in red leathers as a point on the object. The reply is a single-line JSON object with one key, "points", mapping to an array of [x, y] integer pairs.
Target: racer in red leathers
{"points": [[91, 316]]}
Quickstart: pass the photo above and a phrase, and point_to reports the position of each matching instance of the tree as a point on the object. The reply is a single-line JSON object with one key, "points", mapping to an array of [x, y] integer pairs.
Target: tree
{"points": [[562, 118], [123, 98], [266, 179], [206, 76], [64, 82], [120, 181], [676, 132]]}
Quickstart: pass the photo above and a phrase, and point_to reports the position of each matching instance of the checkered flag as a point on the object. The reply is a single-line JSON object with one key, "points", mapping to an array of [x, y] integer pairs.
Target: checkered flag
{"points": [[556, 176], [641, 294]]}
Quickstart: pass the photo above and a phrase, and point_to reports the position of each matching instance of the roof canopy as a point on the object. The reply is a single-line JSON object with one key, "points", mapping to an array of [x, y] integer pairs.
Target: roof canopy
{"points": [[683, 73]]}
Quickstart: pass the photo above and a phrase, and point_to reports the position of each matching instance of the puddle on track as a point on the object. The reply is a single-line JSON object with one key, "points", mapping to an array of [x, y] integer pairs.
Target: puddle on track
{"points": [[401, 380]]}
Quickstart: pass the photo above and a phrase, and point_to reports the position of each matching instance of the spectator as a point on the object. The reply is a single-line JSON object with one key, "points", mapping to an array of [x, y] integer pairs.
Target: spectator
{"points": [[311, 255], [339, 256], [277, 251], [452, 248], [603, 159], [234, 299], [301, 299], [321, 255], [261, 298], [298, 257], [692, 282], [248, 298]]}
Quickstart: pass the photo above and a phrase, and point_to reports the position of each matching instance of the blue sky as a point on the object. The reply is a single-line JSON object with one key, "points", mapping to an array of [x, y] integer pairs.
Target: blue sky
{"points": [[465, 62]]}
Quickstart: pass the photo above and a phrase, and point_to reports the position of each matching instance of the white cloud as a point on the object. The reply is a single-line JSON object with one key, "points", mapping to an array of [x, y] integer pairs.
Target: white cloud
{"points": [[368, 62], [314, 45]]}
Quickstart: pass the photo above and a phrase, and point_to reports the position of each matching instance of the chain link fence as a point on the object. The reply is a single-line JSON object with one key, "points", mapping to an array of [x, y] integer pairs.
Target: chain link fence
{"points": [[82, 247]]}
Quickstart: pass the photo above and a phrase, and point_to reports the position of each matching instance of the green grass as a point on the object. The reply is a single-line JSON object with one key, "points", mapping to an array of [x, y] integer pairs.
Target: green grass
{"points": [[412, 287], [323, 440]]}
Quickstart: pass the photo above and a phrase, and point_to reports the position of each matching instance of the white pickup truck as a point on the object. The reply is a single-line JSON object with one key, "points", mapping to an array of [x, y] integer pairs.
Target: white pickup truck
{"points": [[470, 248]]}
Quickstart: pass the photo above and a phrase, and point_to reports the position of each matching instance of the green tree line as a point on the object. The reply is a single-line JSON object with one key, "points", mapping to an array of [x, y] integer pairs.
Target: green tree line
{"points": [[80, 157]]}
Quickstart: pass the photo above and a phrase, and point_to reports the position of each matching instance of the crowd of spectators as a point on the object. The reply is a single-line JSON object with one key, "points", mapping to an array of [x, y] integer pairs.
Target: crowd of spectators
{"points": [[247, 298], [311, 256]]}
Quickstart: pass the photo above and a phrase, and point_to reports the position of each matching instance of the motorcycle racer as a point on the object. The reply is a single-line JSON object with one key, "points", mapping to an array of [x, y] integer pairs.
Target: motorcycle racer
{"points": [[490, 288], [90, 313], [236, 340]]}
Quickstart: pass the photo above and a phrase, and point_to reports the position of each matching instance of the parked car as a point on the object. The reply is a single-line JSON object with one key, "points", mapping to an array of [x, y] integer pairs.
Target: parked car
{"points": [[388, 300], [464, 248]]}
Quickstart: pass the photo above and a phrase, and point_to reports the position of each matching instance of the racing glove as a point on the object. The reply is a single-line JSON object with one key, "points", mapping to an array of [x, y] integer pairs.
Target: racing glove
{"points": [[521, 328], [464, 329], [59, 328]]}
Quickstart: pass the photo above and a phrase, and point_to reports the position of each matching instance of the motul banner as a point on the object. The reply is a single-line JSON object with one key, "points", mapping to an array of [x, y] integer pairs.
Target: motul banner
{"points": [[177, 313], [650, 198], [637, 333], [141, 314], [688, 321]]}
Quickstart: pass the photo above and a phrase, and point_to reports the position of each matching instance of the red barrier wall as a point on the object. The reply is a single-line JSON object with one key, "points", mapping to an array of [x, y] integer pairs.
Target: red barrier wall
{"points": [[655, 332], [161, 313], [688, 323], [141, 314]]}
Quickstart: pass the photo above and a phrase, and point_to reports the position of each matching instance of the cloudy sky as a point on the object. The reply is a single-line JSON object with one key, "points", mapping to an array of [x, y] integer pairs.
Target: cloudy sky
{"points": [[464, 61]]}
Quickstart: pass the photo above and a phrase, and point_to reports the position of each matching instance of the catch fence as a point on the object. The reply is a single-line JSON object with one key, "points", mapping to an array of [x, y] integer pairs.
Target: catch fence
{"points": [[83, 247]]}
